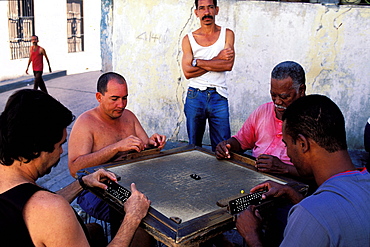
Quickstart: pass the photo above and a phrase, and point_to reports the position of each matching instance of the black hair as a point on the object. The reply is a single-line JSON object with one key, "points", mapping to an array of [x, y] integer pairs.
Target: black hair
{"points": [[105, 78], [214, 3], [289, 69], [318, 118], [32, 122]]}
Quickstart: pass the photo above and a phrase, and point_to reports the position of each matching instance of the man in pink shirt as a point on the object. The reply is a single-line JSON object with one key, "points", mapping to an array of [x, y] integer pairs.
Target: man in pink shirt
{"points": [[262, 131]]}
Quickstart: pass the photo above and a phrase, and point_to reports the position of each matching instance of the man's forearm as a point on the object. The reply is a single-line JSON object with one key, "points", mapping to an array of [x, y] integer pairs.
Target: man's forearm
{"points": [[47, 60], [29, 62], [253, 240], [217, 65], [71, 191], [126, 232], [192, 72], [235, 145], [92, 159], [292, 170], [294, 196]]}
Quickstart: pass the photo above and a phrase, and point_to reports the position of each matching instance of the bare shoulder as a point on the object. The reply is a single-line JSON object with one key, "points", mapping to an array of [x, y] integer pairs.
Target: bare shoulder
{"points": [[229, 31], [44, 204], [87, 118], [128, 117], [128, 113], [230, 34], [185, 40], [47, 201], [51, 221], [83, 127], [42, 50]]}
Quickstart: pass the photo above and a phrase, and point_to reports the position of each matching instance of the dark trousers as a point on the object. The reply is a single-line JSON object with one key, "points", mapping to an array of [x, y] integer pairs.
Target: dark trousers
{"points": [[39, 82]]}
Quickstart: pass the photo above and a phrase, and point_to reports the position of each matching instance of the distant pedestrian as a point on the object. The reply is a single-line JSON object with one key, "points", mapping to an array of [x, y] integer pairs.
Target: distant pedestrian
{"points": [[36, 57]]}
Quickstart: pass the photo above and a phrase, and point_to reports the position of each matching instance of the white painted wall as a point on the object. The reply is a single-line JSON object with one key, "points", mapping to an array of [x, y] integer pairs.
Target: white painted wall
{"points": [[330, 42], [51, 27]]}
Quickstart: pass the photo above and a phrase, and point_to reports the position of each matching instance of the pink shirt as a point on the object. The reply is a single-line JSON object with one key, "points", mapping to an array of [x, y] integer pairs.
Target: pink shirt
{"points": [[262, 132]]}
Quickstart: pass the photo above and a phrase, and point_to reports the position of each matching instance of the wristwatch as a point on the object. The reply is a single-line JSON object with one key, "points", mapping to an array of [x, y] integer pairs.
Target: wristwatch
{"points": [[82, 183], [194, 63]]}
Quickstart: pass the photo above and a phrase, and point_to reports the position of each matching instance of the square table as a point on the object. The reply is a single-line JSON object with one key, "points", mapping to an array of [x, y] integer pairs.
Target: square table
{"points": [[184, 210]]}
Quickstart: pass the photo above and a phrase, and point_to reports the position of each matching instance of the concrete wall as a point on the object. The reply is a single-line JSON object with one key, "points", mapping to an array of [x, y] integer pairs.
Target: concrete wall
{"points": [[330, 42], [51, 27]]}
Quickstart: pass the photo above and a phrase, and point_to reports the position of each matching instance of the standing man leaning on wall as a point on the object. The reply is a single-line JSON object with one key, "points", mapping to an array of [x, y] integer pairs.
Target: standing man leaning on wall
{"points": [[37, 54], [208, 53]]}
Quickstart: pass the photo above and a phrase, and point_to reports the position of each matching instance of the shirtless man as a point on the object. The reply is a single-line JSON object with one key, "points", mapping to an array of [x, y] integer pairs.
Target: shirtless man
{"points": [[208, 53], [101, 133], [36, 57]]}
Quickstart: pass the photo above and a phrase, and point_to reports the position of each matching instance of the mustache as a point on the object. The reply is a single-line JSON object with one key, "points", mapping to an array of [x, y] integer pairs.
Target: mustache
{"points": [[279, 106], [207, 16]]}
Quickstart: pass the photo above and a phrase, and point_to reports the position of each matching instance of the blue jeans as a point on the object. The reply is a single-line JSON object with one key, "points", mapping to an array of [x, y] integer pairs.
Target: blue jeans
{"points": [[94, 206], [367, 143], [203, 105]]}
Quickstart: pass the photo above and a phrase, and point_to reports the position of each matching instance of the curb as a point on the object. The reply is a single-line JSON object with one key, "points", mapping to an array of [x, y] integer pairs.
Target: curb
{"points": [[25, 81]]}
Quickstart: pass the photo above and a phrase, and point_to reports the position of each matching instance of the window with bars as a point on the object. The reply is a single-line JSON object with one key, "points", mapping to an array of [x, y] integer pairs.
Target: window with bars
{"points": [[75, 30], [21, 27]]}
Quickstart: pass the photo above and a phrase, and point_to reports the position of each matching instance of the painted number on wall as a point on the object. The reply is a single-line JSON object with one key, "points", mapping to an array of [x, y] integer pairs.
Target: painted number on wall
{"points": [[152, 37]]}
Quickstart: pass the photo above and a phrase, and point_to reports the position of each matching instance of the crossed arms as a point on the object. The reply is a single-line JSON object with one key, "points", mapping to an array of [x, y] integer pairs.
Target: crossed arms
{"points": [[224, 61]]}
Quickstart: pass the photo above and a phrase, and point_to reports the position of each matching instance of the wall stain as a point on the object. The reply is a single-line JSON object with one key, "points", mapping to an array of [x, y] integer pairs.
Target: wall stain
{"points": [[180, 88]]}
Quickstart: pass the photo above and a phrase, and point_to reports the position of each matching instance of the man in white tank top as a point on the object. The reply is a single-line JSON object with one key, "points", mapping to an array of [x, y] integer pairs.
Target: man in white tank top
{"points": [[208, 53]]}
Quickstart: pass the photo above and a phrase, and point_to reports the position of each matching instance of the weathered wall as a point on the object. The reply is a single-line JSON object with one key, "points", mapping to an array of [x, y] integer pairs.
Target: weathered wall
{"points": [[330, 42]]}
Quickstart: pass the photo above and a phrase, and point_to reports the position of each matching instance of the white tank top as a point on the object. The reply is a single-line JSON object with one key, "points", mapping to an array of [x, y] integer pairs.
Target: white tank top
{"points": [[211, 78]]}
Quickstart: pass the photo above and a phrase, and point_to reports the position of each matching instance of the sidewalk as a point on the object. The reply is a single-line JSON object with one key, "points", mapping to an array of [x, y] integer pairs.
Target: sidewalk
{"points": [[28, 80]]}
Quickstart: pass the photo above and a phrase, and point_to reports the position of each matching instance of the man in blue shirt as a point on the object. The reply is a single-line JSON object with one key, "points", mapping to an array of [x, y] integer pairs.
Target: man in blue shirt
{"points": [[338, 212]]}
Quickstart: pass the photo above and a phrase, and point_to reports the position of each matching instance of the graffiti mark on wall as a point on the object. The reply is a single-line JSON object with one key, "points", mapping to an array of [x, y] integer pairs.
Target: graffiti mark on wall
{"points": [[153, 37]]}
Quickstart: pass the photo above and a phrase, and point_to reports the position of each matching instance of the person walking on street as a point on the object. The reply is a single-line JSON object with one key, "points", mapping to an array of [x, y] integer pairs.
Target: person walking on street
{"points": [[36, 57]]}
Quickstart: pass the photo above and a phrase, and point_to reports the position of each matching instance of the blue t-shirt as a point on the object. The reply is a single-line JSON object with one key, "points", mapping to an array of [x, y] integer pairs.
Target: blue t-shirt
{"points": [[337, 214]]}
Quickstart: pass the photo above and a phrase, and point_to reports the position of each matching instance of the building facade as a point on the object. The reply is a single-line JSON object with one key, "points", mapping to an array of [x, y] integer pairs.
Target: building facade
{"points": [[69, 31]]}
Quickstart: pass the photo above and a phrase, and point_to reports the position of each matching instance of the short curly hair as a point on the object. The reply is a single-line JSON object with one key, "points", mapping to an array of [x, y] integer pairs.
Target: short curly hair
{"points": [[316, 117], [289, 69]]}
